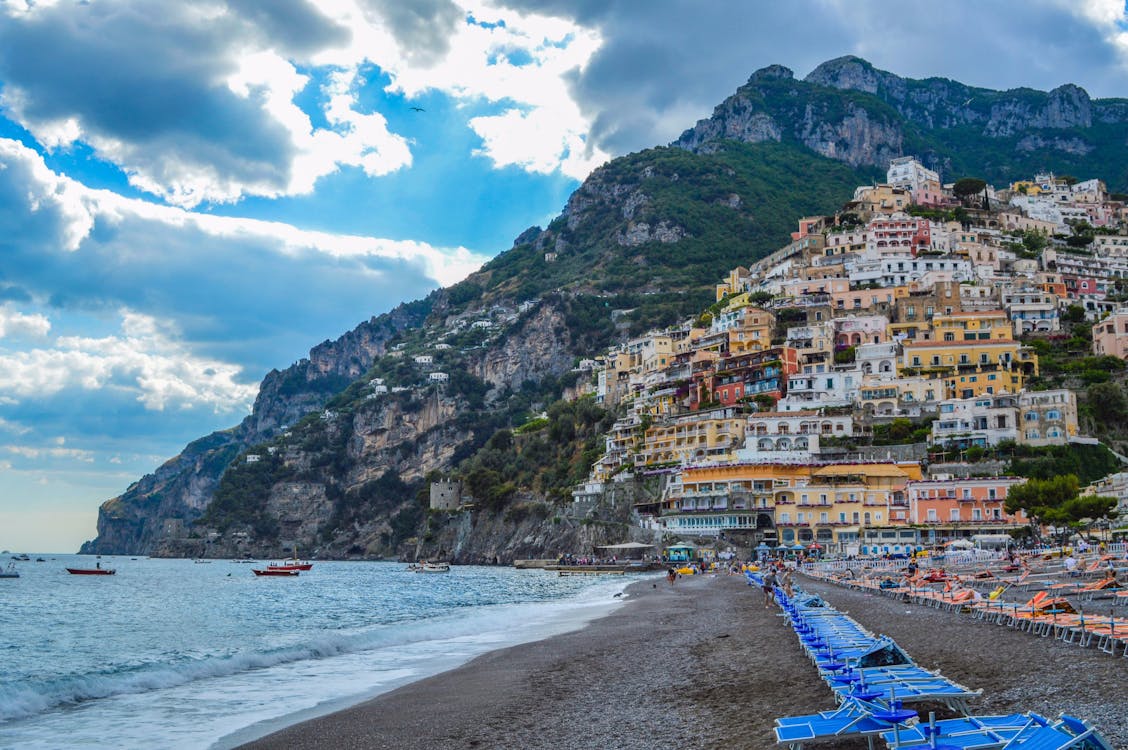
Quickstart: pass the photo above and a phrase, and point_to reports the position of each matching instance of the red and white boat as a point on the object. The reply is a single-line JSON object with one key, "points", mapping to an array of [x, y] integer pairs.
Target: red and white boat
{"points": [[91, 571], [272, 571], [292, 564]]}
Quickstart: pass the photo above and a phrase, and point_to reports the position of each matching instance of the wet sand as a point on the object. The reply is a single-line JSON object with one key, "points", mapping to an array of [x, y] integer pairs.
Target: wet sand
{"points": [[702, 664]]}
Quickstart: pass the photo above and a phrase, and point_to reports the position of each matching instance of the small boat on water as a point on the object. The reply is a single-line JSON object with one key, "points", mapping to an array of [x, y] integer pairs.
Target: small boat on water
{"points": [[98, 571], [292, 564], [10, 571], [271, 571], [431, 567]]}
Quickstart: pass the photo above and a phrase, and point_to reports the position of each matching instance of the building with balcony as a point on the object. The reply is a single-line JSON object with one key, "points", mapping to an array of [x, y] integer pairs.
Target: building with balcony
{"points": [[953, 508], [693, 438], [981, 422], [1047, 417], [1110, 335]]}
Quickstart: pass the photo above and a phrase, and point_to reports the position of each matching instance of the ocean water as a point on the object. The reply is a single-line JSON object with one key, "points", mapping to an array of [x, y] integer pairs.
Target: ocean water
{"points": [[177, 654]]}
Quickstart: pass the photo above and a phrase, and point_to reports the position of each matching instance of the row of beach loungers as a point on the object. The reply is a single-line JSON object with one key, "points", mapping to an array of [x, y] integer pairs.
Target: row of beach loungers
{"points": [[875, 682], [1051, 609]]}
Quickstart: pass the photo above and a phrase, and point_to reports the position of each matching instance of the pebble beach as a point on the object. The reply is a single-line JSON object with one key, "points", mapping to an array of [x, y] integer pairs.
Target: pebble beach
{"points": [[702, 663]]}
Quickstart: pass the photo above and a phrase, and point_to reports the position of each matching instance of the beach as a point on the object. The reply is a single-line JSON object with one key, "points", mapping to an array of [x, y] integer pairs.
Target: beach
{"points": [[702, 663]]}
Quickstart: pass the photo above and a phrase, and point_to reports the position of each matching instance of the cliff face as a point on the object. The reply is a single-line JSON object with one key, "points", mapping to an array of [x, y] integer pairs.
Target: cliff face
{"points": [[846, 109], [181, 488]]}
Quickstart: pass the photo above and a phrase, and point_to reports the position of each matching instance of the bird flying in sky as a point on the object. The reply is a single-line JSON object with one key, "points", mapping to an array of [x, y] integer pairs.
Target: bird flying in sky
{"points": [[417, 109]]}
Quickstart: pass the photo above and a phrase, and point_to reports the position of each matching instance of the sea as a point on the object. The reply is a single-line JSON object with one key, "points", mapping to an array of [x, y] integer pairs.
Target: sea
{"points": [[196, 655]]}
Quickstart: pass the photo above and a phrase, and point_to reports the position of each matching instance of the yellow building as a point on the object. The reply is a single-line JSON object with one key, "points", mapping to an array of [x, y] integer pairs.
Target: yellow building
{"points": [[972, 325], [735, 282], [971, 368], [788, 503], [691, 439]]}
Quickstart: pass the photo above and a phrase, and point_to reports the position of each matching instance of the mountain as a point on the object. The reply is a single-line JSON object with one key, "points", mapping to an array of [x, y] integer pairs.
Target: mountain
{"points": [[846, 109], [339, 450]]}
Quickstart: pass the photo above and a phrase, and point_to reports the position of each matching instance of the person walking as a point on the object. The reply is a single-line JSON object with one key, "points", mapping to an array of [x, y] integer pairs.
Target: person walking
{"points": [[769, 583]]}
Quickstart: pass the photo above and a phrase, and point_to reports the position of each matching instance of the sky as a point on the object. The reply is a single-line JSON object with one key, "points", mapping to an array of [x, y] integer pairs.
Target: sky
{"points": [[194, 193]]}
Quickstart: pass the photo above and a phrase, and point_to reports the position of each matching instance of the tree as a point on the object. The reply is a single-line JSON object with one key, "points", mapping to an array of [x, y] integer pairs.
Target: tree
{"points": [[967, 187], [1043, 500], [1074, 314], [1086, 510], [760, 298]]}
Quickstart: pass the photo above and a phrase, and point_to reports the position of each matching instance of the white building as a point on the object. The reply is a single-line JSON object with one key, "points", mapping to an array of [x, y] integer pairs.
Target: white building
{"points": [[817, 390], [921, 182], [982, 421]]}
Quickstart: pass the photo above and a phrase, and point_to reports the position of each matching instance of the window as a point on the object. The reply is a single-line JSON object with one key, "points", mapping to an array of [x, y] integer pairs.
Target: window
{"points": [[1031, 416], [954, 514], [932, 515], [823, 517], [1053, 414]]}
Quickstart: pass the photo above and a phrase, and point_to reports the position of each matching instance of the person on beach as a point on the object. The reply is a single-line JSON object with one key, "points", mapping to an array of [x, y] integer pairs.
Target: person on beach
{"points": [[769, 586], [785, 580], [671, 576]]}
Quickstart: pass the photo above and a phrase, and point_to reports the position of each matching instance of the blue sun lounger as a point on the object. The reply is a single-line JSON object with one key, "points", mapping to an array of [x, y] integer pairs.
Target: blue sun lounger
{"points": [[1067, 733], [965, 733], [854, 718]]}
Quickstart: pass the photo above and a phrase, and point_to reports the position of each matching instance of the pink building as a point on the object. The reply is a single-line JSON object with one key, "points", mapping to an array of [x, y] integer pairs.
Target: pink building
{"points": [[1110, 336], [962, 507], [898, 233]]}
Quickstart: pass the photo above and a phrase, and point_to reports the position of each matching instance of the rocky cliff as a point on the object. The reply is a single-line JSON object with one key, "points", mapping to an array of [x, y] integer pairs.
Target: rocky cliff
{"points": [[182, 488], [846, 109]]}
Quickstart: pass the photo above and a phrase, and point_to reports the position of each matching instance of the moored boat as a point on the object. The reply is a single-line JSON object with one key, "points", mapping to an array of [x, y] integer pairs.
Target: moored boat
{"points": [[290, 565], [272, 571], [91, 571]]}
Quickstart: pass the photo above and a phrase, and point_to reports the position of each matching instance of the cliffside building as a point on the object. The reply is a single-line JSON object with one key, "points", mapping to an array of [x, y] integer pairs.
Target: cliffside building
{"points": [[446, 495]]}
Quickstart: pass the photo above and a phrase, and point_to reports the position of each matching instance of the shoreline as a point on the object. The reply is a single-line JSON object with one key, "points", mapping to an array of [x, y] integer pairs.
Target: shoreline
{"points": [[580, 613], [670, 664], [702, 663]]}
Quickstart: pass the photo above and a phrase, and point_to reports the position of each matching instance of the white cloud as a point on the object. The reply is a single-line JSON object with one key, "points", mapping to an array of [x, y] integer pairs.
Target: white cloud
{"points": [[74, 454], [546, 131], [144, 358], [79, 207], [15, 323], [210, 97], [1109, 16], [13, 427]]}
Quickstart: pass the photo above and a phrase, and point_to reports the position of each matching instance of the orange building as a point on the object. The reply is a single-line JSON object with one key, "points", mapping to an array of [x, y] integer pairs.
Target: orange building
{"points": [[956, 508]]}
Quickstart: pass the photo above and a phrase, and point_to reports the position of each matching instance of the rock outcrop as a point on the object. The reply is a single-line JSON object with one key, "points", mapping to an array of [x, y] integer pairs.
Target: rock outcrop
{"points": [[847, 109]]}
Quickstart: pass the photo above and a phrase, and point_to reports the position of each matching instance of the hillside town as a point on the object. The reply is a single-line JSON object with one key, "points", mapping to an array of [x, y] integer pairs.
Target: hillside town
{"points": [[848, 392]]}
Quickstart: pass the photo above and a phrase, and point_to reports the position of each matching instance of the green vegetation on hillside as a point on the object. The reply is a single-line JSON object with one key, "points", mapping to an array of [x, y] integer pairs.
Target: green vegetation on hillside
{"points": [[734, 206], [549, 459]]}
